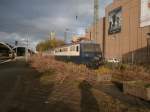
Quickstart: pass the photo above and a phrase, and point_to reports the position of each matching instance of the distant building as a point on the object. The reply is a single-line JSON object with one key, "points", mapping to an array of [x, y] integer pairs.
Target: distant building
{"points": [[52, 35], [76, 39]]}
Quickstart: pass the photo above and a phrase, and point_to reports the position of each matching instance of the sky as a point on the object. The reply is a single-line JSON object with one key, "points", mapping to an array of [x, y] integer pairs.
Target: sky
{"points": [[35, 19]]}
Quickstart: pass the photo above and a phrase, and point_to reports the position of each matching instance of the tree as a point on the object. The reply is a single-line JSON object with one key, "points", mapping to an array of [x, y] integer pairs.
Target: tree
{"points": [[49, 44]]}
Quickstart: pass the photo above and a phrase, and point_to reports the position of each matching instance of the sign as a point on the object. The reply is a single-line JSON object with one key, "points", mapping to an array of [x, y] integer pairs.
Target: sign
{"points": [[115, 21], [145, 13]]}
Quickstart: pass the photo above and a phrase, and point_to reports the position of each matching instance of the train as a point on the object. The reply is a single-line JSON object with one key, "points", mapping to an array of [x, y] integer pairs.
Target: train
{"points": [[88, 53]]}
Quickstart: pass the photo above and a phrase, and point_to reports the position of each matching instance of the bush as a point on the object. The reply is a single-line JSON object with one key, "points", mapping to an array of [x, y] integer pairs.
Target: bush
{"points": [[49, 44], [122, 67], [103, 70]]}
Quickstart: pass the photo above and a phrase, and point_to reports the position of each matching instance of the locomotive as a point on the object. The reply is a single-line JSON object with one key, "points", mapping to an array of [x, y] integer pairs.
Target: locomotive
{"points": [[88, 53]]}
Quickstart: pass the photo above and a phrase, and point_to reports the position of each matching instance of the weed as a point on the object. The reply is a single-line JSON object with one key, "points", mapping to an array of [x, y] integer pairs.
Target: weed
{"points": [[103, 70]]}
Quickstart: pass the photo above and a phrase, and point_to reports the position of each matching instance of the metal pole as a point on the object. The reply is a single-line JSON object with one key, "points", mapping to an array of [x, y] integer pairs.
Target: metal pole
{"points": [[27, 48], [96, 19], [65, 36]]}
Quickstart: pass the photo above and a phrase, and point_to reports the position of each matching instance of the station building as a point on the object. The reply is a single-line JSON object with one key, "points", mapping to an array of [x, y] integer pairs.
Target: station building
{"points": [[123, 32]]}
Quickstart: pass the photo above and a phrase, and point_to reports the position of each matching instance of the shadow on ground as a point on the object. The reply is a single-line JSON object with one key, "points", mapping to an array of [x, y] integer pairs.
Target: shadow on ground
{"points": [[88, 101], [60, 106]]}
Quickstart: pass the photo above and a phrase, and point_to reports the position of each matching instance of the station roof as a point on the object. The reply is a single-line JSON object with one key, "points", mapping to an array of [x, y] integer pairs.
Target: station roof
{"points": [[5, 46]]}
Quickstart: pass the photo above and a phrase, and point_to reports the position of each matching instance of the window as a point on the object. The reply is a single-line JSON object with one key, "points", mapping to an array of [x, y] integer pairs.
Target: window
{"points": [[91, 48], [73, 48], [64, 49], [77, 49]]}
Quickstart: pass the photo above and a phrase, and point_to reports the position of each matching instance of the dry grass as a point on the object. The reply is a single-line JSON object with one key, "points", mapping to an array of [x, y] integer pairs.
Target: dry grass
{"points": [[103, 70], [62, 70], [131, 73], [68, 87]]}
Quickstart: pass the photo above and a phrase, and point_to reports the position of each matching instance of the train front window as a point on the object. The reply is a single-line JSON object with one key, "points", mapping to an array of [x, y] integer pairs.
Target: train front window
{"points": [[91, 48]]}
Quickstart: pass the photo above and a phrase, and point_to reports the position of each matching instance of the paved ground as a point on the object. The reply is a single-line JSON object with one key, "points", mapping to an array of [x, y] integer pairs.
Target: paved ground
{"points": [[10, 74]]}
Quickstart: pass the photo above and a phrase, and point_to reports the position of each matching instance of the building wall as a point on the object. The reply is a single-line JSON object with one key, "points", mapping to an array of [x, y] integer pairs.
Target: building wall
{"points": [[131, 43]]}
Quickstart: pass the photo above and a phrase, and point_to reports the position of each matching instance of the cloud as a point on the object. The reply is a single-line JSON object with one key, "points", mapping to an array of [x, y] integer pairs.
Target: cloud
{"points": [[38, 17]]}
